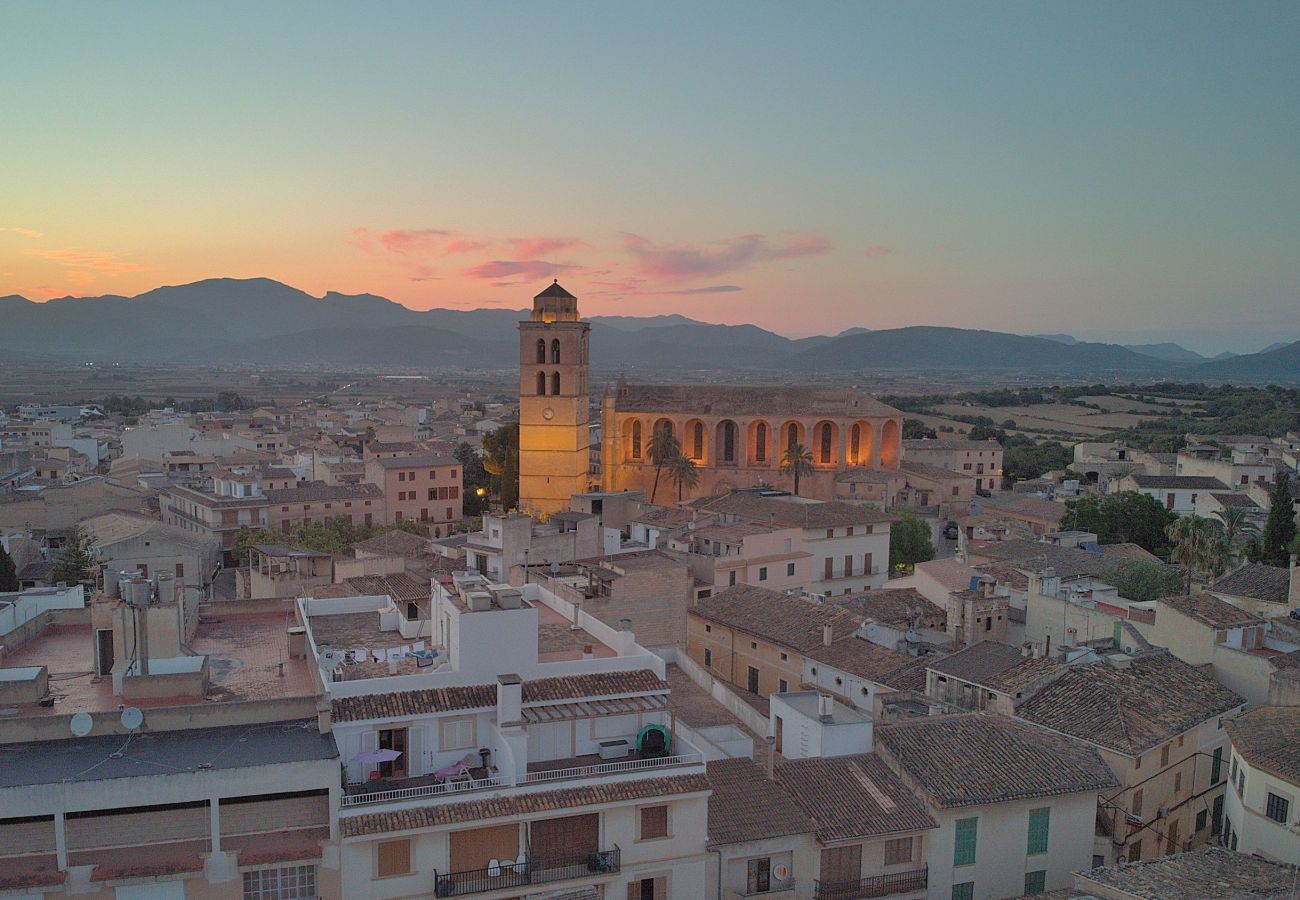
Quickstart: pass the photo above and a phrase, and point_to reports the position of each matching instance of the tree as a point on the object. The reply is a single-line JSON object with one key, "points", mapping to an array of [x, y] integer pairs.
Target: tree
{"points": [[1127, 516], [1279, 530], [914, 429], [8, 572], [502, 462], [1237, 527], [231, 401], [682, 470], [473, 479], [797, 462], [1143, 582], [78, 561], [663, 449], [909, 541], [1199, 546]]}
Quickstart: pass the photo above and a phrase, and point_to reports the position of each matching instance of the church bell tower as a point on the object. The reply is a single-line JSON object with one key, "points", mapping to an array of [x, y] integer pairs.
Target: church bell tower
{"points": [[554, 437]]}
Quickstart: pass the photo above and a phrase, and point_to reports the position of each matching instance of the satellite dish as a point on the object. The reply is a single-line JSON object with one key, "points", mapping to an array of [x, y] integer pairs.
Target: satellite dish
{"points": [[555, 568], [81, 724], [132, 718]]}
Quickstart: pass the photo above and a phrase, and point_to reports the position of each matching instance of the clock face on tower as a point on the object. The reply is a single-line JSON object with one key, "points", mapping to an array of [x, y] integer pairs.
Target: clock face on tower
{"points": [[548, 413]]}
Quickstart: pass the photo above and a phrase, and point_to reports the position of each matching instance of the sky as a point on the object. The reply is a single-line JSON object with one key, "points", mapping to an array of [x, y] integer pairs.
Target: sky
{"points": [[1123, 171]]}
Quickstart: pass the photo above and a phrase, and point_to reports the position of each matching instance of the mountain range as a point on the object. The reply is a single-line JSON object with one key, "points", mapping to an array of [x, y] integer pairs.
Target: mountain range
{"points": [[260, 321]]}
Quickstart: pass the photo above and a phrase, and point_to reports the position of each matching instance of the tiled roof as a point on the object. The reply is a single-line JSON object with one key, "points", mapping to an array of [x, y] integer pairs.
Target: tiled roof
{"points": [[1069, 562], [396, 543], [1025, 506], [399, 586], [1239, 500], [1267, 737], [933, 473], [515, 805], [1209, 610], [396, 704], [859, 656], [666, 516], [1210, 873], [975, 758], [1131, 709], [746, 806], [1257, 581], [950, 444], [792, 512], [897, 607], [319, 490], [427, 460], [774, 401], [911, 675], [981, 662], [1029, 671], [852, 796], [776, 617], [1127, 550], [1184, 482]]}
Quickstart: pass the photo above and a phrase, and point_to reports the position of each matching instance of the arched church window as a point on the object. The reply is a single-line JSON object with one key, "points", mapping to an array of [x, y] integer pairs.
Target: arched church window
{"points": [[826, 442], [555, 383], [697, 441], [855, 443], [760, 439], [636, 440], [541, 384], [728, 441], [541, 350], [792, 436], [555, 351]]}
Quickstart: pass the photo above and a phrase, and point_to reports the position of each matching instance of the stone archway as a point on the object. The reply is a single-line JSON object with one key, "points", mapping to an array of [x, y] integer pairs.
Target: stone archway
{"points": [[890, 444]]}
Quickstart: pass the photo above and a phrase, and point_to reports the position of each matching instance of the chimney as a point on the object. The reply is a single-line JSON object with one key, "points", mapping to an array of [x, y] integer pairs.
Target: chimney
{"points": [[771, 754], [828, 635], [1293, 596], [510, 700], [825, 705]]}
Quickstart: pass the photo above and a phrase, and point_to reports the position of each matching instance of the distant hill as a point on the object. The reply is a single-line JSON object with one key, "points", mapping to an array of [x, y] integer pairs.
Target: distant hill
{"points": [[1279, 364], [260, 321]]}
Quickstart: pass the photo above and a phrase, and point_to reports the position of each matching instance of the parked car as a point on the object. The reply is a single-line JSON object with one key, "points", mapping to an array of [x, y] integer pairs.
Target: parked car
{"points": [[950, 531]]}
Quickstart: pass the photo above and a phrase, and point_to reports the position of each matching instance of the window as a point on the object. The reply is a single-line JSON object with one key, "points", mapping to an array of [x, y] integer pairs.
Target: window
{"points": [[1277, 808], [1035, 882], [964, 847], [1135, 851], [541, 350], [760, 443], [541, 384], [697, 441], [283, 883], [830, 532], [654, 822], [762, 573], [898, 851], [1202, 819], [180, 570], [1178, 782], [753, 645], [848, 566], [789, 569], [759, 878], [555, 383], [785, 657], [708, 657], [829, 572], [752, 679], [555, 351], [456, 733], [393, 858], [636, 440], [1216, 766], [1164, 756], [731, 577], [826, 435], [964, 891], [1137, 803], [781, 686], [1039, 825], [728, 441]]}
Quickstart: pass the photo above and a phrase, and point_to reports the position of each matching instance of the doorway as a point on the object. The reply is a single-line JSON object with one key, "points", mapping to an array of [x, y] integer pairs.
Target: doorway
{"points": [[393, 739]]}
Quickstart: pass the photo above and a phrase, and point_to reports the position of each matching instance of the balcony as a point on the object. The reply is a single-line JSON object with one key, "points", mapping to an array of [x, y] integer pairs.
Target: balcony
{"points": [[541, 773], [533, 871], [776, 888], [875, 886]]}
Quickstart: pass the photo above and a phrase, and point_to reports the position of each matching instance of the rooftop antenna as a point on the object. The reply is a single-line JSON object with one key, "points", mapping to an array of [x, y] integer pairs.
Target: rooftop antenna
{"points": [[81, 724]]}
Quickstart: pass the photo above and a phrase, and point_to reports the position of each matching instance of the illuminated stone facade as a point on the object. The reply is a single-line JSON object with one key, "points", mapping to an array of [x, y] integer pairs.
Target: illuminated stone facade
{"points": [[554, 433], [738, 435]]}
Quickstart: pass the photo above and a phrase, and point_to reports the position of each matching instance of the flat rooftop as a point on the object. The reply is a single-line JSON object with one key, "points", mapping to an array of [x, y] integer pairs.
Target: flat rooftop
{"points": [[557, 639], [245, 652], [345, 631]]}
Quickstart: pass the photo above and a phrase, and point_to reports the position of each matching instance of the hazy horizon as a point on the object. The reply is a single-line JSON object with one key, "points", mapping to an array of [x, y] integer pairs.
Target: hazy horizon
{"points": [[1118, 172]]}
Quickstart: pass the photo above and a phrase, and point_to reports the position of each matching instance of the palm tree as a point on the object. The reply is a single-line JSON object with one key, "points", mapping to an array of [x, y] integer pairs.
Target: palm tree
{"points": [[797, 461], [1237, 526], [1199, 546], [682, 470], [663, 449]]}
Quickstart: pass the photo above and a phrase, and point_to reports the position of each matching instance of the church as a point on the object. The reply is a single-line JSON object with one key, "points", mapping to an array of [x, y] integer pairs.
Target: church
{"points": [[736, 435]]}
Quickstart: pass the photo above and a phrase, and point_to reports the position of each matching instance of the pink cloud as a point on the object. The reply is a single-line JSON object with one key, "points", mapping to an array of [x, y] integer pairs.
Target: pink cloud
{"points": [[534, 247], [25, 232], [507, 268], [463, 245], [874, 250], [686, 260], [95, 260], [406, 241], [710, 289]]}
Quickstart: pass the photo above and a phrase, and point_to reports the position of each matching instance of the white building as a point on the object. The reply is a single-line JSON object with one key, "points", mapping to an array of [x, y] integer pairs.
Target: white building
{"points": [[1263, 805]]}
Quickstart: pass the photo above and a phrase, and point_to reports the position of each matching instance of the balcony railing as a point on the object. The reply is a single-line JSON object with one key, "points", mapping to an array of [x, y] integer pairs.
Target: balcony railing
{"points": [[443, 788], [534, 870], [774, 886], [875, 886]]}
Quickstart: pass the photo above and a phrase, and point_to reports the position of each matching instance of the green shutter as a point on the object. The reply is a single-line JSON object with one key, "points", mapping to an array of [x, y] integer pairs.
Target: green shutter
{"points": [[1216, 767], [964, 846], [1039, 821], [1035, 882], [964, 891]]}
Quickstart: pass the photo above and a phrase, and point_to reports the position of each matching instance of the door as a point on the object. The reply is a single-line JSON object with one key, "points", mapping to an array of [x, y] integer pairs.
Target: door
{"points": [[842, 864], [551, 841], [476, 848], [752, 682], [104, 651], [393, 739], [1171, 841]]}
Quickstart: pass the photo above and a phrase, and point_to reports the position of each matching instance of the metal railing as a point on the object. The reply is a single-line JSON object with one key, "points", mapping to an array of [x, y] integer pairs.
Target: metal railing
{"points": [[774, 886], [423, 790], [613, 768], [875, 886], [534, 870]]}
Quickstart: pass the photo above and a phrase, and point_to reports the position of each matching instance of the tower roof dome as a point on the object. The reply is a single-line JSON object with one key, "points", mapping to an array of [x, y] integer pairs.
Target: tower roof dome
{"points": [[554, 290]]}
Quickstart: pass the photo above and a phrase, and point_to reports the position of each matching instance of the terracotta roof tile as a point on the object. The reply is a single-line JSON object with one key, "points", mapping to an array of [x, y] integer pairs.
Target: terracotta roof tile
{"points": [[852, 796], [796, 512], [897, 607], [747, 806], [1266, 737], [1211, 873], [776, 617], [1209, 610], [1259, 582]]}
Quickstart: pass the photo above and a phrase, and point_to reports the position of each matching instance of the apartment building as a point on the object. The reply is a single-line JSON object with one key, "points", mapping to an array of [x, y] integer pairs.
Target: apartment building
{"points": [[509, 745], [1176, 493], [317, 502], [1158, 722], [1014, 805], [129, 541], [848, 543], [982, 460], [1262, 808], [425, 487], [147, 753], [747, 552], [233, 503]]}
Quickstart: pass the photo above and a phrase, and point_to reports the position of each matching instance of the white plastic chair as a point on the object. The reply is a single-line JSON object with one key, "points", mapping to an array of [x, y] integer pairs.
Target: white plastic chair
{"points": [[494, 868]]}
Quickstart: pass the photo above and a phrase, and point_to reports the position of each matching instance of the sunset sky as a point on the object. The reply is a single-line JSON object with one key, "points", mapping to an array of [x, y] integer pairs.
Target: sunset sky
{"points": [[1122, 171]]}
